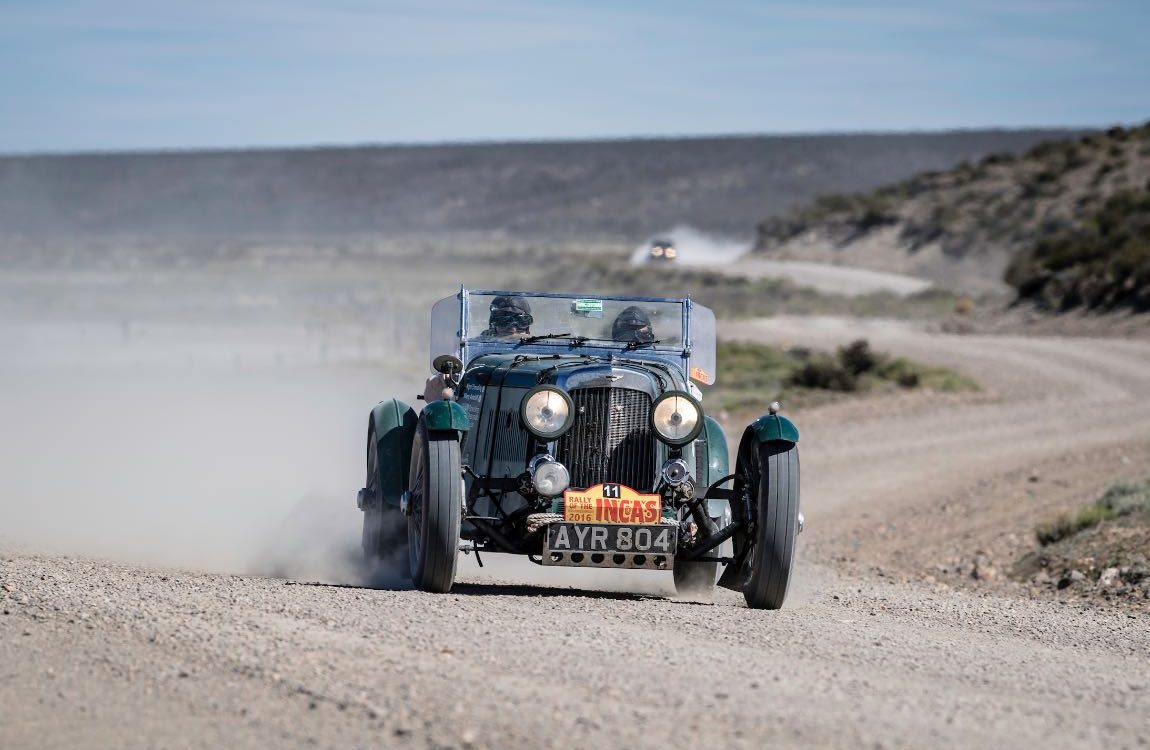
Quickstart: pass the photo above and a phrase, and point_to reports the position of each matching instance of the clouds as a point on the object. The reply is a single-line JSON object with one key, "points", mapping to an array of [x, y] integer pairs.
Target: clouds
{"points": [[136, 74]]}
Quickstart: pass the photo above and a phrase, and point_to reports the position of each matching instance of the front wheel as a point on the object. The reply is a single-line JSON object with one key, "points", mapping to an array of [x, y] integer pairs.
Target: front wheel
{"points": [[769, 472], [435, 500]]}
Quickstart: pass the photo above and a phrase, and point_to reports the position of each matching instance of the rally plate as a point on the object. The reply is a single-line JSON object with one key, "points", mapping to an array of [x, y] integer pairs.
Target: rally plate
{"points": [[610, 545], [611, 503]]}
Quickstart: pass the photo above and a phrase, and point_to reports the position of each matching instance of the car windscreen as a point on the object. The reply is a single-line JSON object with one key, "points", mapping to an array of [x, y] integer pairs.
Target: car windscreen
{"points": [[445, 328], [657, 324], [703, 344]]}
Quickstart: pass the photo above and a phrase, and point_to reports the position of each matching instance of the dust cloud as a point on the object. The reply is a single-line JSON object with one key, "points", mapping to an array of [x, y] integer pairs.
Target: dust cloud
{"points": [[202, 440]]}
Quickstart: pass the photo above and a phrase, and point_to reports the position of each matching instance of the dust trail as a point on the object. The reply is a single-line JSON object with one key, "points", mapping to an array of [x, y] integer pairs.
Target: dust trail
{"points": [[695, 248]]}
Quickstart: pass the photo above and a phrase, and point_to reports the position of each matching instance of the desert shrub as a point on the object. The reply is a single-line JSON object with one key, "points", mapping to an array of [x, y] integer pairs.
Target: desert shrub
{"points": [[1127, 497], [919, 233], [857, 357], [1067, 524], [934, 227], [909, 379], [1046, 149], [825, 373], [1120, 499], [780, 229], [909, 374], [873, 218], [1103, 263], [1074, 158], [1043, 183], [995, 159], [835, 203]]}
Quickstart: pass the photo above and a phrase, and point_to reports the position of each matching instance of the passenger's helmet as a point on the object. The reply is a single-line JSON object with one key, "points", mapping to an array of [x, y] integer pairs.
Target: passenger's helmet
{"points": [[632, 325], [509, 315]]}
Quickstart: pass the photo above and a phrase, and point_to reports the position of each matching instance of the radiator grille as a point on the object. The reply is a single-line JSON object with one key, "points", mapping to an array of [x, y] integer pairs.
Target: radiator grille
{"points": [[510, 437], [611, 440]]}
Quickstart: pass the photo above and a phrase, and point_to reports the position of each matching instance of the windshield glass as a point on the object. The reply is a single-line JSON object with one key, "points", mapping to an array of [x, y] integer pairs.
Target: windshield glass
{"points": [[514, 317], [678, 332], [703, 364]]}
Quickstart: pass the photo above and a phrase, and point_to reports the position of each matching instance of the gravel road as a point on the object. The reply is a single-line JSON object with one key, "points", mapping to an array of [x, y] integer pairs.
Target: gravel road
{"points": [[108, 654], [825, 277]]}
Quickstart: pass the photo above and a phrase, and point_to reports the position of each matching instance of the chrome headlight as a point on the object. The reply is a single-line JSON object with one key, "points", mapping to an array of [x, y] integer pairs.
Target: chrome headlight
{"points": [[675, 472], [547, 412], [549, 476], [676, 417]]}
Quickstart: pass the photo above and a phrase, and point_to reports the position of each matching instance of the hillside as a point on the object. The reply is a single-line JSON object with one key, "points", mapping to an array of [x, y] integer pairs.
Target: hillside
{"points": [[597, 189], [964, 227]]}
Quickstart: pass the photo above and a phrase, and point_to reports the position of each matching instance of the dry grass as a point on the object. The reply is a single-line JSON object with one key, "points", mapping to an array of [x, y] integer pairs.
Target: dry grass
{"points": [[751, 375]]}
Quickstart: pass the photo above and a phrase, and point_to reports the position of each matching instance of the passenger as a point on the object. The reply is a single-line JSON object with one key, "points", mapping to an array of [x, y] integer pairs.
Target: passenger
{"points": [[510, 318], [632, 326]]}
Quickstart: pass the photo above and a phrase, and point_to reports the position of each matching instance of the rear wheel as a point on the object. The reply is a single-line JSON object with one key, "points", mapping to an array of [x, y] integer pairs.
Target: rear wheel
{"points": [[435, 499], [770, 473], [384, 537]]}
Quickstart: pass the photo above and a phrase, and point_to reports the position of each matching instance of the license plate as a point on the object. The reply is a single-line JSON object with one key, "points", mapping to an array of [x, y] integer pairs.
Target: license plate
{"points": [[610, 538], [611, 503]]}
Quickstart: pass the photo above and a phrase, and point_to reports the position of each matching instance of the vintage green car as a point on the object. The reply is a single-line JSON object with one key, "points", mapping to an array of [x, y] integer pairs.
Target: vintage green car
{"points": [[567, 429]]}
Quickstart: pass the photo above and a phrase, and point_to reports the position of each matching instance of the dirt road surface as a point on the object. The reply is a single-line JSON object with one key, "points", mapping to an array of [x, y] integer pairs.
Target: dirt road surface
{"points": [[851, 282], [103, 654]]}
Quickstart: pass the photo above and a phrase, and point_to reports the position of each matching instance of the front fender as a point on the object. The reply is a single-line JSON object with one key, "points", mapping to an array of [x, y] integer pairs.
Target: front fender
{"points": [[394, 423], [774, 427], [717, 462], [716, 466], [446, 415]]}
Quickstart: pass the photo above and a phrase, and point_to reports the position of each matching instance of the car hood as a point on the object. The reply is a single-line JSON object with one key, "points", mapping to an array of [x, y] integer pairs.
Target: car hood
{"points": [[570, 372]]}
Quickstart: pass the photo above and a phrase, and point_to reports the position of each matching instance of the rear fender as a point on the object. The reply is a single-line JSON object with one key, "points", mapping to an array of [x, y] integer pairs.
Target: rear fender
{"points": [[394, 423]]}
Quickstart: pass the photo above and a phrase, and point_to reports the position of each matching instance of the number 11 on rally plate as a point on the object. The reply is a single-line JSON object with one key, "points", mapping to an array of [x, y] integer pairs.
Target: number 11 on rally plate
{"points": [[611, 503]]}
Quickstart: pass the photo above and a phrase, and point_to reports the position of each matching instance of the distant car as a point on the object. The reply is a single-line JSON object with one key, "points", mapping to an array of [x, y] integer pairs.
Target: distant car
{"points": [[577, 441], [662, 251]]}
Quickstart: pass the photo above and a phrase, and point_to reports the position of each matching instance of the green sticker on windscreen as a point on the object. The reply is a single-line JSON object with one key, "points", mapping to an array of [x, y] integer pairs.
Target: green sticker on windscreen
{"points": [[588, 305]]}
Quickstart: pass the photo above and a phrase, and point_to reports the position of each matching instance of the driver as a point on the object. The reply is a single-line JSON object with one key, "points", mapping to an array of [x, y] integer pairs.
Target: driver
{"points": [[510, 317], [633, 326]]}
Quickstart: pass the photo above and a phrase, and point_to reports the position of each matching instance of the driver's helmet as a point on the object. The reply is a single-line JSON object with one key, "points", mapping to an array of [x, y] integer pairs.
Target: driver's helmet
{"points": [[632, 325], [509, 315]]}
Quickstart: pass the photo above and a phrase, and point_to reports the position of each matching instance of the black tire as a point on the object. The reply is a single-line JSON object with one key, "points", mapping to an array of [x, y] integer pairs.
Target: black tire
{"points": [[384, 536], [696, 580], [435, 498], [770, 471]]}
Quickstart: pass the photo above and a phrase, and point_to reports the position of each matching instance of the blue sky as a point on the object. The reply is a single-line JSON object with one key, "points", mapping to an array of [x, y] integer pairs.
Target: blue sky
{"points": [[147, 74]]}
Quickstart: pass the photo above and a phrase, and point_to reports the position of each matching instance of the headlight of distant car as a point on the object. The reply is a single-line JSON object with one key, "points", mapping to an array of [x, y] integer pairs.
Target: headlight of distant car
{"points": [[547, 412], [670, 252], [676, 417]]}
